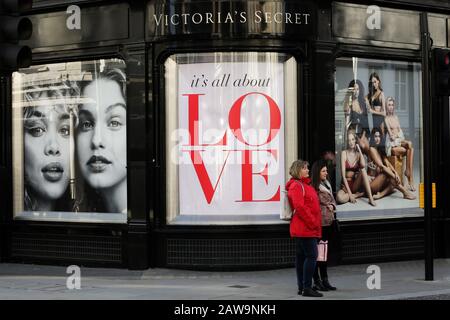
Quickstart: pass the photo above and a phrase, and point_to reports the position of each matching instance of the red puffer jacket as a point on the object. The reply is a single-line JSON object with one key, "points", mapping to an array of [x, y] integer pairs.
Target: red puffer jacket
{"points": [[307, 219]]}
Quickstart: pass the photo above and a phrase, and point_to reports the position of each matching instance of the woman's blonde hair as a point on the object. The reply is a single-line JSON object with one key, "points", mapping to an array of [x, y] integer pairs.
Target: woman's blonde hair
{"points": [[349, 132], [294, 170], [387, 102]]}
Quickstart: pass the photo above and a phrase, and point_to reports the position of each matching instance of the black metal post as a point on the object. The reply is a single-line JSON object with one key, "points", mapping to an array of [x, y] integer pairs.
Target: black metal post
{"points": [[3, 85], [427, 145]]}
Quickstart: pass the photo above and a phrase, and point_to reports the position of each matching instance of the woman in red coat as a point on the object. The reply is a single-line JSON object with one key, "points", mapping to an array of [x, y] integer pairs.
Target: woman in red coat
{"points": [[306, 225]]}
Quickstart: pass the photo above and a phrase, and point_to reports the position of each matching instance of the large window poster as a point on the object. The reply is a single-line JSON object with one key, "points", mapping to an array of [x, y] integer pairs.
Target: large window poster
{"points": [[230, 153], [69, 142], [378, 138]]}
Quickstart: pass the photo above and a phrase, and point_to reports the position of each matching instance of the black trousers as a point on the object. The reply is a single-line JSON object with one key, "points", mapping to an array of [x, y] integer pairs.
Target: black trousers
{"points": [[321, 273]]}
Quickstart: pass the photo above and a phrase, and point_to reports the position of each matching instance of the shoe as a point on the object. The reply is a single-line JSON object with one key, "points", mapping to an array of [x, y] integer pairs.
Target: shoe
{"points": [[319, 286], [310, 292], [327, 285], [300, 292]]}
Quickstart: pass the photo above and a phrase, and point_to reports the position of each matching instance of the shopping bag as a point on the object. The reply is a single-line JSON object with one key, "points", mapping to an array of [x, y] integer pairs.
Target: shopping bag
{"points": [[287, 212], [322, 250]]}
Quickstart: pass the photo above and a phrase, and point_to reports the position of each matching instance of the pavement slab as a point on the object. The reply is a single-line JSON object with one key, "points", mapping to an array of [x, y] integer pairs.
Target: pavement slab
{"points": [[399, 280]]}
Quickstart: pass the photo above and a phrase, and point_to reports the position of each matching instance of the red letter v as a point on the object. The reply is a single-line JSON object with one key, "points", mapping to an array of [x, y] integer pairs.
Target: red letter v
{"points": [[203, 176]]}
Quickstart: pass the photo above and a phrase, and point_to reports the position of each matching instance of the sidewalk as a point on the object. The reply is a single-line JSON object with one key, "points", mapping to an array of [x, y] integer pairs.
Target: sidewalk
{"points": [[399, 280]]}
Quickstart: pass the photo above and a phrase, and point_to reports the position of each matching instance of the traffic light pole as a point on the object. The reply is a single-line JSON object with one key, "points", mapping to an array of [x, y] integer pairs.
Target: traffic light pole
{"points": [[427, 138]]}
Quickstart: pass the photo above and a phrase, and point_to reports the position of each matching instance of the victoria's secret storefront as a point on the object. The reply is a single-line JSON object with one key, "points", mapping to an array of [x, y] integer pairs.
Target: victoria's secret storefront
{"points": [[161, 133]]}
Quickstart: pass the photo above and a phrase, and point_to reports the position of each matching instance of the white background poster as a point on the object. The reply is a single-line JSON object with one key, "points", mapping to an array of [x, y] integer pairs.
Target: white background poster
{"points": [[231, 138]]}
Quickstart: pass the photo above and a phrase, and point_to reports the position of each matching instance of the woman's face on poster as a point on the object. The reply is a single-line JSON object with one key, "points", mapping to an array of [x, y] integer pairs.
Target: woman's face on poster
{"points": [[101, 134], [356, 90], [46, 150], [375, 83], [351, 141], [377, 137], [390, 106]]}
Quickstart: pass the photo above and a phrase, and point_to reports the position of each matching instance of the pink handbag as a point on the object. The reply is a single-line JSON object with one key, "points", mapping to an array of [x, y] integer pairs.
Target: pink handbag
{"points": [[322, 250]]}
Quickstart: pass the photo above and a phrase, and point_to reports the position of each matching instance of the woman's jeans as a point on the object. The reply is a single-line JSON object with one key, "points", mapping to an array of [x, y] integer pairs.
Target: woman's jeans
{"points": [[305, 261]]}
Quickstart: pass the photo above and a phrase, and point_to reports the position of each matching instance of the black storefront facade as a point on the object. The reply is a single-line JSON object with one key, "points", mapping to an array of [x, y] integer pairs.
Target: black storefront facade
{"points": [[203, 56]]}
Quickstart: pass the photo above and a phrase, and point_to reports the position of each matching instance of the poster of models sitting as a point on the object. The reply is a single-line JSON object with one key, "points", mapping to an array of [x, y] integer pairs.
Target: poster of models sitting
{"points": [[378, 130], [69, 142]]}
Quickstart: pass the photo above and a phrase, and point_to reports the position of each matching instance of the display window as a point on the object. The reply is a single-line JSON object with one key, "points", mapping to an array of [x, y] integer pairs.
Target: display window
{"points": [[70, 143], [231, 132], [379, 145]]}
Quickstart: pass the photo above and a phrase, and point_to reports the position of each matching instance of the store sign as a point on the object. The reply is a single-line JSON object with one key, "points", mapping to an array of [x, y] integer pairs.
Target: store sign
{"points": [[231, 149], [230, 19]]}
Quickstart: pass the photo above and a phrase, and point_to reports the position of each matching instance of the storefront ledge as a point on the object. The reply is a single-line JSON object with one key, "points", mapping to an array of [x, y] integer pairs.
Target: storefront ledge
{"points": [[227, 220], [85, 217], [380, 214]]}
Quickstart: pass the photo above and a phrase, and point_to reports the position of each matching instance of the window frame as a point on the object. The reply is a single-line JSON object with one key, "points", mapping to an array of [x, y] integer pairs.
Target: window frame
{"points": [[291, 132]]}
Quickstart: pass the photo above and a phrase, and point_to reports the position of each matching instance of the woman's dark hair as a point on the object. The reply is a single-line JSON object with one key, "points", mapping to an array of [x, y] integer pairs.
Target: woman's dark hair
{"points": [[114, 74], [380, 147], [88, 199], [371, 88], [315, 172], [361, 100]]}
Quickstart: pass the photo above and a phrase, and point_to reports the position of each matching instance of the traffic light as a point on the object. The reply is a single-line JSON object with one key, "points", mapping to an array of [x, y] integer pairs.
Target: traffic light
{"points": [[12, 29], [441, 72]]}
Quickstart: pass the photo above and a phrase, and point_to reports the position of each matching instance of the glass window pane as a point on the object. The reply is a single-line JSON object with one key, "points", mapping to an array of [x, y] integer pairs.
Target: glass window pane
{"points": [[379, 149], [231, 126], [69, 142]]}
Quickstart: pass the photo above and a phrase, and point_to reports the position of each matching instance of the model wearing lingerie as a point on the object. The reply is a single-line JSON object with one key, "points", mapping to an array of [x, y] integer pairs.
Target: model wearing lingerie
{"points": [[377, 119], [355, 167]]}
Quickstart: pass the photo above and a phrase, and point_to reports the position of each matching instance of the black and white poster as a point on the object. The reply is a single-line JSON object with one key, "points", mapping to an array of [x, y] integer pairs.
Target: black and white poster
{"points": [[69, 142]]}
